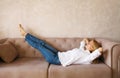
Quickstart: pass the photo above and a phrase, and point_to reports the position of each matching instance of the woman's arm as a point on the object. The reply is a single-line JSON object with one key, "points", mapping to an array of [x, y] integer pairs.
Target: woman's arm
{"points": [[83, 43], [95, 54]]}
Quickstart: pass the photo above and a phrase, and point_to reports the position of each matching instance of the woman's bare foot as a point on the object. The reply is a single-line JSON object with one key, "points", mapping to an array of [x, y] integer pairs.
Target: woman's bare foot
{"points": [[23, 33]]}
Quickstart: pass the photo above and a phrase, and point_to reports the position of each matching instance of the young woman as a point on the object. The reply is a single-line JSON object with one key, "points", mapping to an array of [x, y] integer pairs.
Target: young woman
{"points": [[85, 54]]}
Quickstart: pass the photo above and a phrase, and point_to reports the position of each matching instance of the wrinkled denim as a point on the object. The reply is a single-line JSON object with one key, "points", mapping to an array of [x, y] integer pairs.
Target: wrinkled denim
{"points": [[48, 52]]}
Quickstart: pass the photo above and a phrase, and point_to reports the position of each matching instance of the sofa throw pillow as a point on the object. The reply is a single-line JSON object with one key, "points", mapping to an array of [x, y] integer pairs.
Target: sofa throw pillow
{"points": [[8, 52]]}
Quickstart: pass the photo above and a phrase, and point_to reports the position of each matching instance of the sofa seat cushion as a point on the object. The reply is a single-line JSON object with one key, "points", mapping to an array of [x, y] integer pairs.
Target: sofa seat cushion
{"points": [[80, 71], [24, 68]]}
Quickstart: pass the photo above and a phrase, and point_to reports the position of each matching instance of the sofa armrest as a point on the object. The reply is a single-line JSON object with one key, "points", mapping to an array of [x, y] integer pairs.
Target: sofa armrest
{"points": [[111, 56], [116, 61], [119, 67]]}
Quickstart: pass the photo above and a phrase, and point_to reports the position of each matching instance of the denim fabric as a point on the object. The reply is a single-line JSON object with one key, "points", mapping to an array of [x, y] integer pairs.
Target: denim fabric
{"points": [[48, 52]]}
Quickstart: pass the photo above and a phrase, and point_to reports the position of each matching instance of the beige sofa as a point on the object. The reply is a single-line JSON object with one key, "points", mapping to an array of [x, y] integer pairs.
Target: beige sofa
{"points": [[31, 64]]}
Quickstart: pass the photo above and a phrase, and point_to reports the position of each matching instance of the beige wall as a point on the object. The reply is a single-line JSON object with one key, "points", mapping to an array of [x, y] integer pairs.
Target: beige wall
{"points": [[61, 18]]}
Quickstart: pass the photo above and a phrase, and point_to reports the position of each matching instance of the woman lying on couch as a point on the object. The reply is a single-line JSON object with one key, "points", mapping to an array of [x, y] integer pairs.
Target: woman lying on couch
{"points": [[85, 54]]}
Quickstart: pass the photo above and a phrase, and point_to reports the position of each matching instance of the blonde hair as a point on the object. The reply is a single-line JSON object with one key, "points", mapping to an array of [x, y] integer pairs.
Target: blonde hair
{"points": [[95, 44]]}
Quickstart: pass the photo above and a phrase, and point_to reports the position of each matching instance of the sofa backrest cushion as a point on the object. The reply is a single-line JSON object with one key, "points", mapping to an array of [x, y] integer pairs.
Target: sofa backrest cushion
{"points": [[62, 44], [23, 48]]}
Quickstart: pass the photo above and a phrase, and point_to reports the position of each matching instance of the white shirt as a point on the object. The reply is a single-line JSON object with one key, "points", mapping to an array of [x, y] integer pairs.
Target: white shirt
{"points": [[78, 56]]}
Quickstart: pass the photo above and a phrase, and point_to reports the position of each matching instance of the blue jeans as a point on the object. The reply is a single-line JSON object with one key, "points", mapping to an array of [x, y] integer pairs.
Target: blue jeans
{"points": [[48, 52]]}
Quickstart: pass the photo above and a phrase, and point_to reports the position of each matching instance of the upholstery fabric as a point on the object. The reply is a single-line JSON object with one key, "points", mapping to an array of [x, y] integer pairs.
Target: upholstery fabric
{"points": [[119, 67], [8, 52], [24, 49], [31, 64], [80, 71], [107, 47], [116, 61], [24, 68]]}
